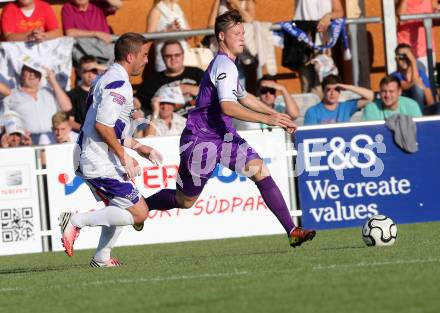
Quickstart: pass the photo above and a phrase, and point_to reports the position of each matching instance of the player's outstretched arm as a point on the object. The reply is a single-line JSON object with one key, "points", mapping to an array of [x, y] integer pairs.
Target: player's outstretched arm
{"points": [[144, 151], [234, 109], [253, 103]]}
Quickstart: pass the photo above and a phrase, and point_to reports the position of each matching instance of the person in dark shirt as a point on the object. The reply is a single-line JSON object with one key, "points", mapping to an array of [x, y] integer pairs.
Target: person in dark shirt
{"points": [[88, 70], [176, 74], [415, 83]]}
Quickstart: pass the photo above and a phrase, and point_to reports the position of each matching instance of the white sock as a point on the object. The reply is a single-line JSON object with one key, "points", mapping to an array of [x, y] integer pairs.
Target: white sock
{"points": [[108, 216], [107, 241]]}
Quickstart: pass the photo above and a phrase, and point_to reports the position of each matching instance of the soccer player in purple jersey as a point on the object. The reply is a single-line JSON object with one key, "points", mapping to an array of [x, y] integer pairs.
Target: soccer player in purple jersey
{"points": [[209, 137]]}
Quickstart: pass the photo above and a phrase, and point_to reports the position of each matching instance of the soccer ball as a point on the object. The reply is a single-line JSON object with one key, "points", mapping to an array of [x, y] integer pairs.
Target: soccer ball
{"points": [[379, 231]]}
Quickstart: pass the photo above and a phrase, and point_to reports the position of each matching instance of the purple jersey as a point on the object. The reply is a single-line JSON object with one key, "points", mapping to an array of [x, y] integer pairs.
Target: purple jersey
{"points": [[220, 83]]}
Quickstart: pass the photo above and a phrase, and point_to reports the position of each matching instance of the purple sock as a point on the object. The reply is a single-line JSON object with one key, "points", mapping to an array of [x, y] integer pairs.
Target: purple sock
{"points": [[162, 200], [274, 200]]}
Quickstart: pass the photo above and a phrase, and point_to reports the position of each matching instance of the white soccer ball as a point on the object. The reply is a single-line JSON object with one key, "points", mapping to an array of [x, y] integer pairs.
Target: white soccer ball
{"points": [[379, 231]]}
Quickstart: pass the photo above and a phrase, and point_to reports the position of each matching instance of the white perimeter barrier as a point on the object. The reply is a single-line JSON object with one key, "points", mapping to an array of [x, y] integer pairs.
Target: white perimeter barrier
{"points": [[230, 205], [19, 203]]}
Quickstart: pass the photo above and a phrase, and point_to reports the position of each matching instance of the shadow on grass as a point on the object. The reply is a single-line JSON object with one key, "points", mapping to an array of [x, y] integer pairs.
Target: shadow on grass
{"points": [[39, 269], [233, 255], [342, 248]]}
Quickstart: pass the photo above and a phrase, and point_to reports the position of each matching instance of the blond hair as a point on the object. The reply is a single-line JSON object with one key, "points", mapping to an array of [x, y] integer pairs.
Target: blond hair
{"points": [[58, 118]]}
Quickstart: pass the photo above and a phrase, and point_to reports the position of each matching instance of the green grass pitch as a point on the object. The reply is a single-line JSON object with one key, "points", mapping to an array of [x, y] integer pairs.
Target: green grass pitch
{"points": [[334, 273]]}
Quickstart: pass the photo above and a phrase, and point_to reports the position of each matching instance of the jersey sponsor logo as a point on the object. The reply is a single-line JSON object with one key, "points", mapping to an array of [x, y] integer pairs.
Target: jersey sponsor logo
{"points": [[221, 76], [115, 85], [117, 98]]}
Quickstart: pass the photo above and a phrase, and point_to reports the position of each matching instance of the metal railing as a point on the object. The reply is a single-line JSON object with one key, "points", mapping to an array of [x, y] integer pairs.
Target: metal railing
{"points": [[353, 33], [427, 24], [352, 25]]}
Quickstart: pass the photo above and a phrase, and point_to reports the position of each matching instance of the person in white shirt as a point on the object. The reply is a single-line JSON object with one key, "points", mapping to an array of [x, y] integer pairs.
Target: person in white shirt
{"points": [[163, 120], [36, 105], [61, 130], [12, 132], [4, 92], [100, 157], [245, 7], [166, 16]]}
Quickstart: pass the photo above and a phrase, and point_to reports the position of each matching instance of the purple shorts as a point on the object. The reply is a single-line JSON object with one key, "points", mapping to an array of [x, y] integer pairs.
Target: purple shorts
{"points": [[114, 191], [199, 157]]}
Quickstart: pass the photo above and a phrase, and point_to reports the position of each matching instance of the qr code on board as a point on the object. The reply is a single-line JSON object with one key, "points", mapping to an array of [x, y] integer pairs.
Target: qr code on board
{"points": [[16, 224]]}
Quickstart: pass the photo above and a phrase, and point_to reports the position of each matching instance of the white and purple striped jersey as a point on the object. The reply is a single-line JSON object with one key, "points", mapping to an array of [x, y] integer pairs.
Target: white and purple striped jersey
{"points": [[111, 104], [220, 83]]}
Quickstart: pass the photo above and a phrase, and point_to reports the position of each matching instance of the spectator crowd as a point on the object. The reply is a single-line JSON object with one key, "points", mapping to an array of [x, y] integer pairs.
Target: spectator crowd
{"points": [[33, 113]]}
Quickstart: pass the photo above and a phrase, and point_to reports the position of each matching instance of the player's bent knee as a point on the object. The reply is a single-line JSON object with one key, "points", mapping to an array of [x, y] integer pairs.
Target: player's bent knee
{"points": [[138, 219], [260, 172], [139, 212], [139, 216]]}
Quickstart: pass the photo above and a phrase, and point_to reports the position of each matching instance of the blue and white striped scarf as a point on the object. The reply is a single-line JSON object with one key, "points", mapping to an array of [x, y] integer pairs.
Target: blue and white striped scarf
{"points": [[337, 27]]}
